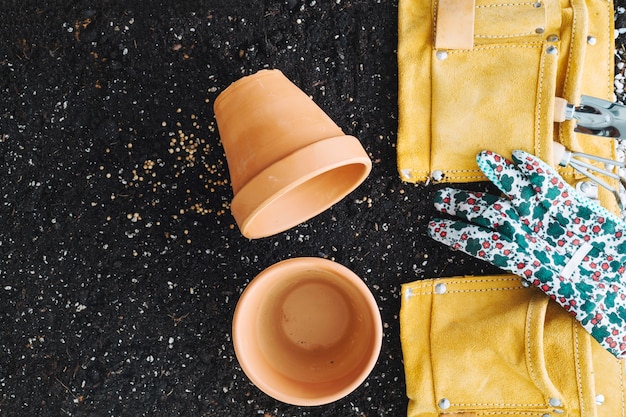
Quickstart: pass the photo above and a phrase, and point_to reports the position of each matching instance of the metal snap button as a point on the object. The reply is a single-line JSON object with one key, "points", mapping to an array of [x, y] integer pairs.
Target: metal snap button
{"points": [[555, 402], [444, 403], [437, 175], [440, 289]]}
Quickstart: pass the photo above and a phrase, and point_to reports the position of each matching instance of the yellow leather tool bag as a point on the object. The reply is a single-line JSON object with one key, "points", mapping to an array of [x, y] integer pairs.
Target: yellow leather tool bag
{"points": [[488, 74], [490, 346]]}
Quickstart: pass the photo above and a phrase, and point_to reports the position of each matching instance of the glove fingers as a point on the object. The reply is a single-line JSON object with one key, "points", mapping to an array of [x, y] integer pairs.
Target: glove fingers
{"points": [[493, 213], [498, 214], [504, 175], [475, 207], [545, 203], [553, 191], [513, 255]]}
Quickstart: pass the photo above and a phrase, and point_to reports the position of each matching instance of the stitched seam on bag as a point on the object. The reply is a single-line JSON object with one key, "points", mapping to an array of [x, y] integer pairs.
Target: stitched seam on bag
{"points": [[427, 284], [431, 150], [434, 22], [510, 35], [467, 291], [569, 62], [609, 14], [459, 170], [446, 173], [480, 280], [621, 384], [532, 45], [578, 371], [485, 6], [513, 413], [529, 316], [500, 405], [539, 100], [451, 178], [460, 281]]}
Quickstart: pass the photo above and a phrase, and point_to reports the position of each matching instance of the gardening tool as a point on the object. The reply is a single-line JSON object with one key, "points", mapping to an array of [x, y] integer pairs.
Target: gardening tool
{"points": [[568, 246], [594, 116], [565, 157]]}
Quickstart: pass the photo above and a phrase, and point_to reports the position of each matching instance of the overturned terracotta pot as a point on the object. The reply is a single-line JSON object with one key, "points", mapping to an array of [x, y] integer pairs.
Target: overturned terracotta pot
{"points": [[288, 161], [307, 331]]}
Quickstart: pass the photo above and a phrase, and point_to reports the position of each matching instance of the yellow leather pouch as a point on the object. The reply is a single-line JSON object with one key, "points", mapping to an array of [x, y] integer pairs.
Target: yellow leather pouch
{"points": [[490, 346], [485, 74]]}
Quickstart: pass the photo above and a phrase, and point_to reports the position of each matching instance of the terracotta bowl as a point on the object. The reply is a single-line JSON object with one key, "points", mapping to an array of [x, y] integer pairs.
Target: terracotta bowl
{"points": [[307, 331]]}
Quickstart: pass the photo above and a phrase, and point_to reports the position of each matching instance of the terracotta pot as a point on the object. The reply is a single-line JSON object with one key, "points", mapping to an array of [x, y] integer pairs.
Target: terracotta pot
{"points": [[307, 331], [288, 161]]}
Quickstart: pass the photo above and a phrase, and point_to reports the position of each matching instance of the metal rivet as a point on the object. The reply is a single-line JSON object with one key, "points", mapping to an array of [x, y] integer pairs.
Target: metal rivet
{"points": [[559, 411], [555, 402], [585, 187], [553, 38], [552, 50], [437, 175], [408, 294], [444, 403], [545, 415], [441, 55], [526, 284], [588, 188], [537, 5], [599, 399], [591, 40], [440, 289], [540, 30]]}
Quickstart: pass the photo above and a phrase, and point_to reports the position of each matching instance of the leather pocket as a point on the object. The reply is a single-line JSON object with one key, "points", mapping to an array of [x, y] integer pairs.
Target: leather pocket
{"points": [[485, 350], [484, 98], [497, 352], [496, 94]]}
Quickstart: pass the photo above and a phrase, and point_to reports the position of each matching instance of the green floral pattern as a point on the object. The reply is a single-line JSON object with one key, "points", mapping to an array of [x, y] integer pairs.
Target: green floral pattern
{"points": [[544, 231]]}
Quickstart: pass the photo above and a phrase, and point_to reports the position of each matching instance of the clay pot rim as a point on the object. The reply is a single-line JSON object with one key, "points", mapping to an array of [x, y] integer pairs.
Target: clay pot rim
{"points": [[264, 280], [338, 151]]}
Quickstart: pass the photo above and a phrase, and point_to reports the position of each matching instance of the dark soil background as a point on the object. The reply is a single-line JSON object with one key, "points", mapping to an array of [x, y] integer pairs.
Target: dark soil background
{"points": [[120, 264]]}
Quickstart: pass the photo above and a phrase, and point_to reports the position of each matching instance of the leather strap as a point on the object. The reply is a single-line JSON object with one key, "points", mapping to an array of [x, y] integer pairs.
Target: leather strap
{"points": [[455, 24], [560, 109]]}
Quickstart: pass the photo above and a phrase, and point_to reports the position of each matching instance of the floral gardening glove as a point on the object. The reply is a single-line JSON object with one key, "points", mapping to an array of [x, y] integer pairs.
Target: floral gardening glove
{"points": [[568, 246]]}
